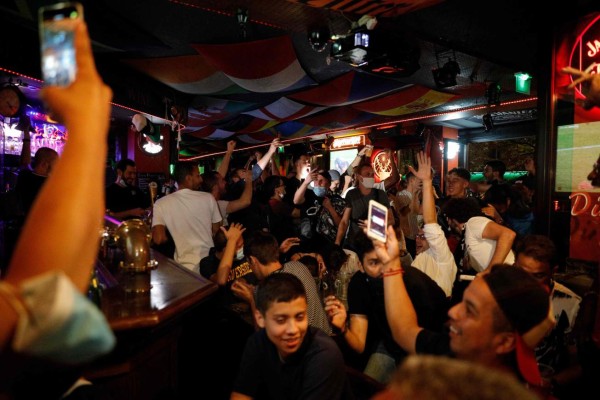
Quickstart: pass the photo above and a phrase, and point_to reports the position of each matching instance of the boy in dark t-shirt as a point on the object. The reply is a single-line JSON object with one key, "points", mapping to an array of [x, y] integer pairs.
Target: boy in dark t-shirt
{"points": [[287, 359]]}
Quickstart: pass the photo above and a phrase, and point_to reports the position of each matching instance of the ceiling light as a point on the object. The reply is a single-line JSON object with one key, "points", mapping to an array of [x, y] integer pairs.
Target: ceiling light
{"points": [[488, 122]]}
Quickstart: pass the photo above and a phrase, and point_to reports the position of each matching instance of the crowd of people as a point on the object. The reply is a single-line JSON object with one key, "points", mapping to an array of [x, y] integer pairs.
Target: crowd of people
{"points": [[459, 276]]}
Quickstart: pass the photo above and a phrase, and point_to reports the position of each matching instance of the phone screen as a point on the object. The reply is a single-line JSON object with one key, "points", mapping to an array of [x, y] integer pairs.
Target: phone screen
{"points": [[377, 221], [57, 24]]}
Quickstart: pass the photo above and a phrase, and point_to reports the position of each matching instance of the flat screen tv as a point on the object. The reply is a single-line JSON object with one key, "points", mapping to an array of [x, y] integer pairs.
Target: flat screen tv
{"points": [[341, 159], [578, 149]]}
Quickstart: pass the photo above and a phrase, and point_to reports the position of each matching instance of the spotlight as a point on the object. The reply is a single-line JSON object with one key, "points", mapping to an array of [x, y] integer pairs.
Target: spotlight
{"points": [[446, 75], [488, 122], [241, 16], [492, 93]]}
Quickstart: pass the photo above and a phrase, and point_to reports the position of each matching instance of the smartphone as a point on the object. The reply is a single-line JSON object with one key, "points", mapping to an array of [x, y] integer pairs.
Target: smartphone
{"points": [[377, 221], [57, 24]]}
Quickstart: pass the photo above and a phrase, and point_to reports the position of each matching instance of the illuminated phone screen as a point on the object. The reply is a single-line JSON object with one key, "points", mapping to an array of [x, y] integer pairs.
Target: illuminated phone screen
{"points": [[57, 24], [377, 221]]}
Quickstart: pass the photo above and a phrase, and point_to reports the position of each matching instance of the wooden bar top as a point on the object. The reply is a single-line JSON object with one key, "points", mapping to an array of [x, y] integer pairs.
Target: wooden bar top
{"points": [[174, 290]]}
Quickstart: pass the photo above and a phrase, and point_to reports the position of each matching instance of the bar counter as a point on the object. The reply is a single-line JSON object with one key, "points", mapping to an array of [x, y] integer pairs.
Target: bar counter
{"points": [[150, 325], [174, 290]]}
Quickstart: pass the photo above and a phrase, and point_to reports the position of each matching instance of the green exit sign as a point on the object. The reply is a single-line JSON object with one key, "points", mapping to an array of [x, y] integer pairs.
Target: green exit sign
{"points": [[522, 82]]}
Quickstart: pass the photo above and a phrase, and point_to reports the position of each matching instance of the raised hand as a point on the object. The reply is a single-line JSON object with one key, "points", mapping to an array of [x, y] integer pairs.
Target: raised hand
{"points": [[288, 243], [424, 171], [231, 146], [389, 251], [234, 232]]}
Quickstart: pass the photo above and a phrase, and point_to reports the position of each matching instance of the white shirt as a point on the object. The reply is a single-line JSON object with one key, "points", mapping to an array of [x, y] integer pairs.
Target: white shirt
{"points": [[437, 261], [478, 249], [188, 215]]}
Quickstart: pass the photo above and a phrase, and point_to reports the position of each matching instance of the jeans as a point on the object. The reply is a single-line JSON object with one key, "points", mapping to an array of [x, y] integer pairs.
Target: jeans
{"points": [[381, 365]]}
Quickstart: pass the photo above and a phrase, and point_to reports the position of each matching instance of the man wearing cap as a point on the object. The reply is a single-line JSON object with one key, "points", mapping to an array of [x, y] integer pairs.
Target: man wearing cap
{"points": [[504, 313], [327, 207], [335, 181]]}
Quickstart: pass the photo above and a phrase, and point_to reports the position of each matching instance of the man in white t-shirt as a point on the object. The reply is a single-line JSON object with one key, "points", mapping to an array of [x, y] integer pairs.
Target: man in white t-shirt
{"points": [[192, 217], [486, 242]]}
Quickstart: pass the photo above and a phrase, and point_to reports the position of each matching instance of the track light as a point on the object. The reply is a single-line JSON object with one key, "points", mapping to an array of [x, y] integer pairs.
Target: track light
{"points": [[488, 122], [242, 18]]}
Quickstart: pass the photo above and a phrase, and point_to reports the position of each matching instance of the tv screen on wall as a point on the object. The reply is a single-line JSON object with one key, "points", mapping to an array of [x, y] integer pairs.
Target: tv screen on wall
{"points": [[341, 159], [578, 149]]}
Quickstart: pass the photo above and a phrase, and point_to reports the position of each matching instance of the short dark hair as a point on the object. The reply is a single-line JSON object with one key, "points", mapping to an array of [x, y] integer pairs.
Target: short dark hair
{"points": [[43, 154], [124, 163], [220, 240], [271, 183], [539, 247], [337, 257], [362, 245], [462, 209], [461, 173], [325, 174], [362, 166], [279, 287], [497, 166], [311, 263], [209, 180], [183, 169], [263, 246]]}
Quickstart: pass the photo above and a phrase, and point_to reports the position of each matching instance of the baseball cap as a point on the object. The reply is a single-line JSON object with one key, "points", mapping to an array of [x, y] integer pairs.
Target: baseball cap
{"points": [[334, 174], [525, 303]]}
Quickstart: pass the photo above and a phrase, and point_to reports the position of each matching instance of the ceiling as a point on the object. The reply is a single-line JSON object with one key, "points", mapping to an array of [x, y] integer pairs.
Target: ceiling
{"points": [[254, 82]]}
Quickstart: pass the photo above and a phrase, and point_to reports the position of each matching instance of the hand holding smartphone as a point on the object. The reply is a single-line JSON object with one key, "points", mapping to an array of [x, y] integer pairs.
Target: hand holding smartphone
{"points": [[377, 221], [57, 23]]}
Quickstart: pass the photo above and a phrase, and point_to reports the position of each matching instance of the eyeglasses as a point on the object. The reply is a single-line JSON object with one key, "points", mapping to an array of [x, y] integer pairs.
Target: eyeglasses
{"points": [[420, 236]]}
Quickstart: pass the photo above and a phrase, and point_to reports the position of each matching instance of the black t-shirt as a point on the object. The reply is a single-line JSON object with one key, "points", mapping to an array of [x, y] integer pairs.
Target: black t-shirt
{"points": [[365, 297], [240, 269], [28, 186], [359, 204], [119, 198], [316, 371], [436, 343]]}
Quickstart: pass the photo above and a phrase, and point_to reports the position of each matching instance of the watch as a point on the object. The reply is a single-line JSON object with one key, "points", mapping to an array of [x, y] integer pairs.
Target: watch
{"points": [[10, 101]]}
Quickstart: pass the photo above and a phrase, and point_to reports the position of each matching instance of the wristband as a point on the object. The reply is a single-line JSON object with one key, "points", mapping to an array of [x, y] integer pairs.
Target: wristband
{"points": [[393, 272]]}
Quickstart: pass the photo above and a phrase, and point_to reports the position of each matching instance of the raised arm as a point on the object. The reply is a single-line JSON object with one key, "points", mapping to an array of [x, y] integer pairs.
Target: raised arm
{"points": [[301, 191], [62, 209], [343, 226], [232, 234], [224, 167], [246, 198], [264, 160], [399, 309], [504, 238], [424, 174]]}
